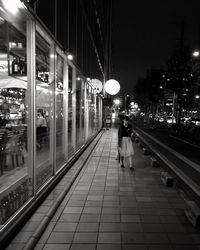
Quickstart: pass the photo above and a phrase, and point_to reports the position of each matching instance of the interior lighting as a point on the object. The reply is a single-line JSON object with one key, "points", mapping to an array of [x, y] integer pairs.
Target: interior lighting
{"points": [[13, 5], [70, 57], [117, 101], [2, 21]]}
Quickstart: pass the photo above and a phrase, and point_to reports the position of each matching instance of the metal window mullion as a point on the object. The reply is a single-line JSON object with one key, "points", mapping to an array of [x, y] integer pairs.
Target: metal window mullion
{"points": [[52, 119], [74, 109], [65, 106], [53, 61], [86, 112], [31, 128]]}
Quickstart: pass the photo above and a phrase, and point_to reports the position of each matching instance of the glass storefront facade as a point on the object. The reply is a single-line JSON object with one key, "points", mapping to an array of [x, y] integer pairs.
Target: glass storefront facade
{"points": [[48, 111]]}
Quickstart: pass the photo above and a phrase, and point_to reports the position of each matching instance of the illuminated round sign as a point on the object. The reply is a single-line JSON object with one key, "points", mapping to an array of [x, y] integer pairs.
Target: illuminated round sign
{"points": [[97, 85], [112, 87]]}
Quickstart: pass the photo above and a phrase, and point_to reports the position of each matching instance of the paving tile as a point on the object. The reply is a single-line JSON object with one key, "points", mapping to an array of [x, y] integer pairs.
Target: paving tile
{"points": [[65, 227], [110, 218], [110, 227], [75, 203], [134, 247], [22, 237], [83, 247], [129, 210], [90, 218], [110, 210], [43, 239], [60, 237], [186, 247], [88, 227], [109, 247], [91, 210], [130, 218], [152, 227], [15, 246], [56, 246], [147, 211], [131, 227], [93, 203], [73, 210], [30, 226], [160, 247], [69, 217], [37, 217], [114, 238], [156, 238], [133, 238], [180, 238], [111, 204], [78, 197], [169, 219], [174, 228], [85, 238]]}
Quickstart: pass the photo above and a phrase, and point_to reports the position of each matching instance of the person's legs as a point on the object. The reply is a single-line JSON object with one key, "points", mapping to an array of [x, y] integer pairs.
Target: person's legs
{"points": [[122, 162], [130, 162]]}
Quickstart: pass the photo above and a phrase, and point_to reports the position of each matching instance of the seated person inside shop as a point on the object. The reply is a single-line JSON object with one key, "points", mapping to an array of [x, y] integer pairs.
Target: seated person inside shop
{"points": [[3, 121], [41, 124]]}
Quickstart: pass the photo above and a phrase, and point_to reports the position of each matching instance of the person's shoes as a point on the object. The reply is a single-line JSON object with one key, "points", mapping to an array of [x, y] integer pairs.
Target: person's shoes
{"points": [[122, 166], [131, 168]]}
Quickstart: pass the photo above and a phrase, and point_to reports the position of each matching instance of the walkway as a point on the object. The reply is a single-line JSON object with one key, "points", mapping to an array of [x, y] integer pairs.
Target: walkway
{"points": [[112, 208]]}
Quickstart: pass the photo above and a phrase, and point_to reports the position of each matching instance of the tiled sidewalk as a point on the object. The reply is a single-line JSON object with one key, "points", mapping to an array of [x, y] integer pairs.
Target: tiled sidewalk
{"points": [[113, 208]]}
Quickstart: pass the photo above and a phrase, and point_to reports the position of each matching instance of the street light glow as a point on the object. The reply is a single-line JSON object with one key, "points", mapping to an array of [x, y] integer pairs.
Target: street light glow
{"points": [[196, 53], [112, 87], [117, 101], [70, 57], [13, 5]]}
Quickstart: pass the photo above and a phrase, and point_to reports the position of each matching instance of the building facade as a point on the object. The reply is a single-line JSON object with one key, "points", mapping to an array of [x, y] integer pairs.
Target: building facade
{"points": [[49, 110]]}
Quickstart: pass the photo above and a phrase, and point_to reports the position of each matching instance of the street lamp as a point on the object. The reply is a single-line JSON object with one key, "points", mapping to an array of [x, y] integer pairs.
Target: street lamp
{"points": [[116, 102], [195, 53], [197, 97]]}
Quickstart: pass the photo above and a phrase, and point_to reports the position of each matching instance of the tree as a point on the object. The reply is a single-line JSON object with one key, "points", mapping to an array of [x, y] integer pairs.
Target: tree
{"points": [[147, 91], [179, 78]]}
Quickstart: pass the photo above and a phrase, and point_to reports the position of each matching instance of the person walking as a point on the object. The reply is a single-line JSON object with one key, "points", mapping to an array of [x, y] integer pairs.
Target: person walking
{"points": [[125, 145]]}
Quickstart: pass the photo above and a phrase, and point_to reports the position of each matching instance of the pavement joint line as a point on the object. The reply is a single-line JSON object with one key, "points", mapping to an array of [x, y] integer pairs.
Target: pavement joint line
{"points": [[31, 243], [177, 171]]}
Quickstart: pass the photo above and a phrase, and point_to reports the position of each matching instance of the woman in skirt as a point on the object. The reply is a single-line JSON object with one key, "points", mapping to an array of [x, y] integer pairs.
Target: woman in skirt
{"points": [[125, 143]]}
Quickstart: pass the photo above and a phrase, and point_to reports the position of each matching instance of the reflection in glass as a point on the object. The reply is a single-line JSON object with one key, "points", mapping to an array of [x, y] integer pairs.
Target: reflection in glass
{"points": [[70, 141], [15, 187], [43, 102], [80, 135], [60, 154]]}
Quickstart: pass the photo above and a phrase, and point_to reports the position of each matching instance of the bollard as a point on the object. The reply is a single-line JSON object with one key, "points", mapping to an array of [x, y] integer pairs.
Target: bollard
{"points": [[192, 212], [145, 151], [167, 179], [154, 162], [136, 140], [140, 145]]}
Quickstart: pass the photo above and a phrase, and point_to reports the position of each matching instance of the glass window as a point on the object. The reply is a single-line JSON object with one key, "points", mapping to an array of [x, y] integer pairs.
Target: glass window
{"points": [[60, 154], [70, 141], [15, 188], [80, 136], [44, 112], [91, 110]]}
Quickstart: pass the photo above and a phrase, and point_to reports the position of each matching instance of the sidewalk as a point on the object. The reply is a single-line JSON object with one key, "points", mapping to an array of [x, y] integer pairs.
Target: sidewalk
{"points": [[112, 208]]}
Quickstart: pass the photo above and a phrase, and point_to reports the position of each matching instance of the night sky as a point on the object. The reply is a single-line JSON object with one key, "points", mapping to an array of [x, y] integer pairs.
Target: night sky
{"points": [[145, 33]]}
